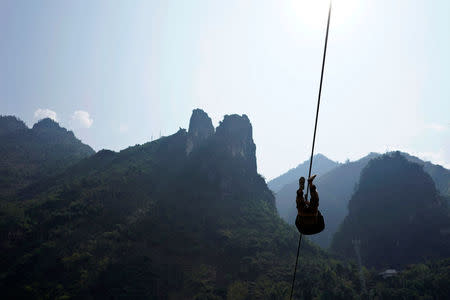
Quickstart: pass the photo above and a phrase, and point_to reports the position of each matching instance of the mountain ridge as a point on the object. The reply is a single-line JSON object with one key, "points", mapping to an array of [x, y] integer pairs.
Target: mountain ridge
{"points": [[321, 165], [157, 221], [27, 155], [336, 188], [413, 215], [206, 217]]}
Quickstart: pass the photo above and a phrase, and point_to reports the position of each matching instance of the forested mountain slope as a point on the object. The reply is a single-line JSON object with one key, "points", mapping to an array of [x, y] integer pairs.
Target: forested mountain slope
{"points": [[28, 155], [396, 215], [440, 175], [183, 217], [335, 189]]}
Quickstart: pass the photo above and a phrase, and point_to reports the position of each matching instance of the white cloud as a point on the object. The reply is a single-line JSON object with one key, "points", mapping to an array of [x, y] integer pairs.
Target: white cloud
{"points": [[82, 118], [45, 113], [436, 127]]}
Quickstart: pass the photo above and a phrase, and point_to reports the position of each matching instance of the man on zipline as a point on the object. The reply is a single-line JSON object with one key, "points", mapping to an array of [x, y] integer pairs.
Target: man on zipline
{"points": [[305, 207]]}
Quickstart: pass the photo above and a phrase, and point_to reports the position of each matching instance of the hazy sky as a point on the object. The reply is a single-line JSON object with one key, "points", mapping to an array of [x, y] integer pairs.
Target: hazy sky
{"points": [[119, 72]]}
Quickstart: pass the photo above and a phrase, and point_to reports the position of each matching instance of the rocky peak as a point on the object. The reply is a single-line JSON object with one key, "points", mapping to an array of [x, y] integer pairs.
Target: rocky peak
{"points": [[200, 129], [50, 131], [45, 124], [236, 133], [11, 124]]}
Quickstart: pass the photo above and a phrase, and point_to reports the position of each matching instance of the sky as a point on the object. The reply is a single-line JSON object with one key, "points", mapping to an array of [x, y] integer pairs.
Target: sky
{"points": [[120, 73]]}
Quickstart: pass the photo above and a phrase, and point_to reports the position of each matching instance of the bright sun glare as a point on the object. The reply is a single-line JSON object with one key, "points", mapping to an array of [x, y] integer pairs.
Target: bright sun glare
{"points": [[313, 13]]}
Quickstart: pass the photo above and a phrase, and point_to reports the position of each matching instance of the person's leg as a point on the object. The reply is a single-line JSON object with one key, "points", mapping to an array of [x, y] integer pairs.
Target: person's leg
{"points": [[301, 183], [300, 200], [314, 203], [310, 179]]}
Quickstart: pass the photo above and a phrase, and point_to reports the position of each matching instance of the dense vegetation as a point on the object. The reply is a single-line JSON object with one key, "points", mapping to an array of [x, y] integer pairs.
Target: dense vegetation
{"points": [[28, 155], [184, 217], [396, 214], [336, 187], [430, 280], [154, 221]]}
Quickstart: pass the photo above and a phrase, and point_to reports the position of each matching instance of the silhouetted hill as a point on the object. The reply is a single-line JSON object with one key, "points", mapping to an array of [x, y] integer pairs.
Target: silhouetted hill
{"points": [[396, 215], [183, 217], [321, 165], [28, 155], [440, 175], [11, 124], [335, 189]]}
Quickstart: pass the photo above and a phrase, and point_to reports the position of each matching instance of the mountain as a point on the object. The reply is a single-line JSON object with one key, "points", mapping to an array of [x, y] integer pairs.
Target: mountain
{"points": [[321, 165], [184, 217], [396, 216], [28, 155], [439, 174], [335, 189]]}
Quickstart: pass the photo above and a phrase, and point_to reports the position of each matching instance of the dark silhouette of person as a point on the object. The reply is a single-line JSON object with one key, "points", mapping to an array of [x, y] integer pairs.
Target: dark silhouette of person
{"points": [[305, 207]]}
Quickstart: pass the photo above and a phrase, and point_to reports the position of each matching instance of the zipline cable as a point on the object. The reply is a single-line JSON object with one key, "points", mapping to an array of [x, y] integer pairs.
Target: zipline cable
{"points": [[314, 138]]}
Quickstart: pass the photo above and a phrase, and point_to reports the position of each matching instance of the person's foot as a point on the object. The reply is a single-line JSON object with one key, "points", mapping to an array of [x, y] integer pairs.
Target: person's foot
{"points": [[310, 180], [302, 183]]}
